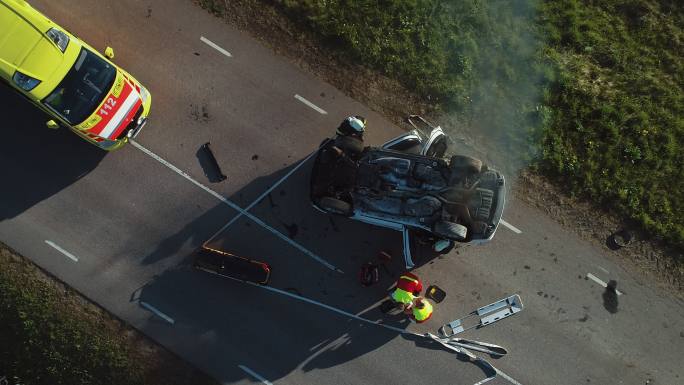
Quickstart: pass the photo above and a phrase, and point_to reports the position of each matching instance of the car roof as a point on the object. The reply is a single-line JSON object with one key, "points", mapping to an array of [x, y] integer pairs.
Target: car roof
{"points": [[24, 46]]}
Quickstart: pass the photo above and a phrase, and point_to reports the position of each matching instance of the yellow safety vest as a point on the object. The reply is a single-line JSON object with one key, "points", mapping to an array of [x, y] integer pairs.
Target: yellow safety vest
{"points": [[402, 296], [422, 314]]}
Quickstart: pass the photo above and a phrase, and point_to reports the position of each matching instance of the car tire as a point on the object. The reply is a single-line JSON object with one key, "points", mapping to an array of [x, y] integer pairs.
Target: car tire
{"points": [[450, 230], [471, 165], [335, 206], [349, 145]]}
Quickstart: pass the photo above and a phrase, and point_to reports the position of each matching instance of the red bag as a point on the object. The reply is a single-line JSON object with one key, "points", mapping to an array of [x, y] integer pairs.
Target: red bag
{"points": [[369, 274]]}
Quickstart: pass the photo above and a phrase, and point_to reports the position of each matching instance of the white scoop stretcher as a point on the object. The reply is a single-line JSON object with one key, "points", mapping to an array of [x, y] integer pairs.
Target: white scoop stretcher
{"points": [[487, 315]]}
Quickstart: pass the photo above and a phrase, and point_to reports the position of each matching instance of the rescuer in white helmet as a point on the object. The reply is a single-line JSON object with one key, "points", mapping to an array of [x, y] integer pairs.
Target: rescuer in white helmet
{"points": [[352, 126]]}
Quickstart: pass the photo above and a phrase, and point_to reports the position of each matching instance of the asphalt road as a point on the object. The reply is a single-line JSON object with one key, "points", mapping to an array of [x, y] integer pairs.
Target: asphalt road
{"points": [[121, 227]]}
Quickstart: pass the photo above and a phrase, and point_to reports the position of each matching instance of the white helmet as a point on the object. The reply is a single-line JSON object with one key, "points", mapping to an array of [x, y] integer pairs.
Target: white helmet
{"points": [[357, 124]]}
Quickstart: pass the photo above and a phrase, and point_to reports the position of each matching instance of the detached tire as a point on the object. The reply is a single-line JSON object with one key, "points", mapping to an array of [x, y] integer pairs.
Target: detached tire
{"points": [[469, 164], [450, 230], [349, 145], [335, 206]]}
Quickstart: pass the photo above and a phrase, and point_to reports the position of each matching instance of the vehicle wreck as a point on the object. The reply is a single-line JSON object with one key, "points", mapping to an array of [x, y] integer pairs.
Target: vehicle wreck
{"points": [[408, 185]]}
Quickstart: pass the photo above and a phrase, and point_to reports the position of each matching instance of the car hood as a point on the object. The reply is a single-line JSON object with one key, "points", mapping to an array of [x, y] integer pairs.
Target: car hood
{"points": [[117, 110]]}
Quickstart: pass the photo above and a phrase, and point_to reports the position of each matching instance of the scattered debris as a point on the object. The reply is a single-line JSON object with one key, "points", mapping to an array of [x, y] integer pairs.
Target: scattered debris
{"points": [[619, 239], [610, 297], [211, 160]]}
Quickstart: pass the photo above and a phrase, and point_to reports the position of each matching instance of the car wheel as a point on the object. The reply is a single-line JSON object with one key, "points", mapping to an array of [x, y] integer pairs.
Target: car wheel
{"points": [[450, 230], [471, 165], [335, 206], [348, 144]]}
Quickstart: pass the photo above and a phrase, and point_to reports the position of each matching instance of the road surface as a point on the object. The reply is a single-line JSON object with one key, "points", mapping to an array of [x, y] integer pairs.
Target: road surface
{"points": [[121, 227]]}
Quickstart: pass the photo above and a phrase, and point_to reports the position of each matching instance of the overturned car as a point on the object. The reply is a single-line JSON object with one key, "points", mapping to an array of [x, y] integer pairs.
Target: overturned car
{"points": [[408, 185]]}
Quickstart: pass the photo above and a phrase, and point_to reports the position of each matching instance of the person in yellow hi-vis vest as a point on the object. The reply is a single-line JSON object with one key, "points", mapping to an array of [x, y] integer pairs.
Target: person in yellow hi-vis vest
{"points": [[421, 310]]}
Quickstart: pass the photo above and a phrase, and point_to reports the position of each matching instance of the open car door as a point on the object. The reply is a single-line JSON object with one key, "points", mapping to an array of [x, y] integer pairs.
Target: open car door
{"points": [[424, 139], [435, 143]]}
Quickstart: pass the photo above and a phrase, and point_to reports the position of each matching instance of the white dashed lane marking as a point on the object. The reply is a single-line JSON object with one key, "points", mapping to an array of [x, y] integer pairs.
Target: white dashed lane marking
{"points": [[61, 250], [234, 206], [597, 280], [254, 374], [308, 103], [510, 226], [215, 46], [157, 312]]}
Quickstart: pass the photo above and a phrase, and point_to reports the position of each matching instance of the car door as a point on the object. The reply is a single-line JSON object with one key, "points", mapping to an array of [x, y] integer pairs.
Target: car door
{"points": [[410, 143], [424, 139], [436, 145]]}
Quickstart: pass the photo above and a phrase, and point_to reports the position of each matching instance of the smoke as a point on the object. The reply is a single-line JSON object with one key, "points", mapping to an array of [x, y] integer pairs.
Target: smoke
{"points": [[499, 119]]}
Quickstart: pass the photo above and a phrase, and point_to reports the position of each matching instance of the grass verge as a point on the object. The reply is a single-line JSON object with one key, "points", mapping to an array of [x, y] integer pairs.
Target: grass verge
{"points": [[589, 93], [52, 335]]}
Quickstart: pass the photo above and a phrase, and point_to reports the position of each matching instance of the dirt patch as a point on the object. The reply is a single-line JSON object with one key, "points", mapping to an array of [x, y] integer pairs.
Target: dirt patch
{"points": [[156, 364], [264, 21]]}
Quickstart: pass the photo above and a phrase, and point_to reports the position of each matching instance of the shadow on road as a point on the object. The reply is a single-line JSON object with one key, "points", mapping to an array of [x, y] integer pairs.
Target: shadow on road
{"points": [[37, 161], [222, 322]]}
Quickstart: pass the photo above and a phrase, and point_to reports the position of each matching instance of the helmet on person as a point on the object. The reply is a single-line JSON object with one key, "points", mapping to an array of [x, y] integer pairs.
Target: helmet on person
{"points": [[358, 123], [352, 126]]}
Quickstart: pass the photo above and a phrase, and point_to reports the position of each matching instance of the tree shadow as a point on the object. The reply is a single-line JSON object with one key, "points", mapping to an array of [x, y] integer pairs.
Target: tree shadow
{"points": [[38, 162]]}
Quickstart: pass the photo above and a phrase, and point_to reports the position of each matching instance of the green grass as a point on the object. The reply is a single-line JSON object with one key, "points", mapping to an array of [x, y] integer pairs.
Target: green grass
{"points": [[47, 339], [590, 92], [616, 128]]}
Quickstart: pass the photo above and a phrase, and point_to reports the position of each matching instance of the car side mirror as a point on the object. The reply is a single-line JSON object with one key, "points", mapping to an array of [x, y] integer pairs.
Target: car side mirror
{"points": [[52, 124], [109, 53]]}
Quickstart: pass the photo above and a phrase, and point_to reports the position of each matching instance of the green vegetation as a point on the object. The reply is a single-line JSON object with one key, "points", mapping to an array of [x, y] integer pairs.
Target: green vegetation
{"points": [[616, 127], [589, 90], [48, 339], [51, 335]]}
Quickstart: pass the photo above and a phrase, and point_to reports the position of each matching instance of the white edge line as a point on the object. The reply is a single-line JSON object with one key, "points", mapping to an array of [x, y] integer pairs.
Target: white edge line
{"points": [[507, 377], [215, 46], [254, 374], [597, 280], [510, 226], [262, 196], [235, 207], [157, 312], [308, 103], [61, 250]]}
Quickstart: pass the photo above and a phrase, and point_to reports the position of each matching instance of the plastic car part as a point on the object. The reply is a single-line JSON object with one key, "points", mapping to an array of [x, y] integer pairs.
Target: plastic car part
{"points": [[450, 230], [348, 144], [231, 266], [335, 206], [443, 246], [408, 258], [212, 160]]}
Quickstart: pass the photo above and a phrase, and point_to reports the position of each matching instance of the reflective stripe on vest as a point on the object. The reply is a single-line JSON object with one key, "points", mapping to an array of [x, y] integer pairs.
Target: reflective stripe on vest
{"points": [[424, 313], [409, 279], [402, 296]]}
